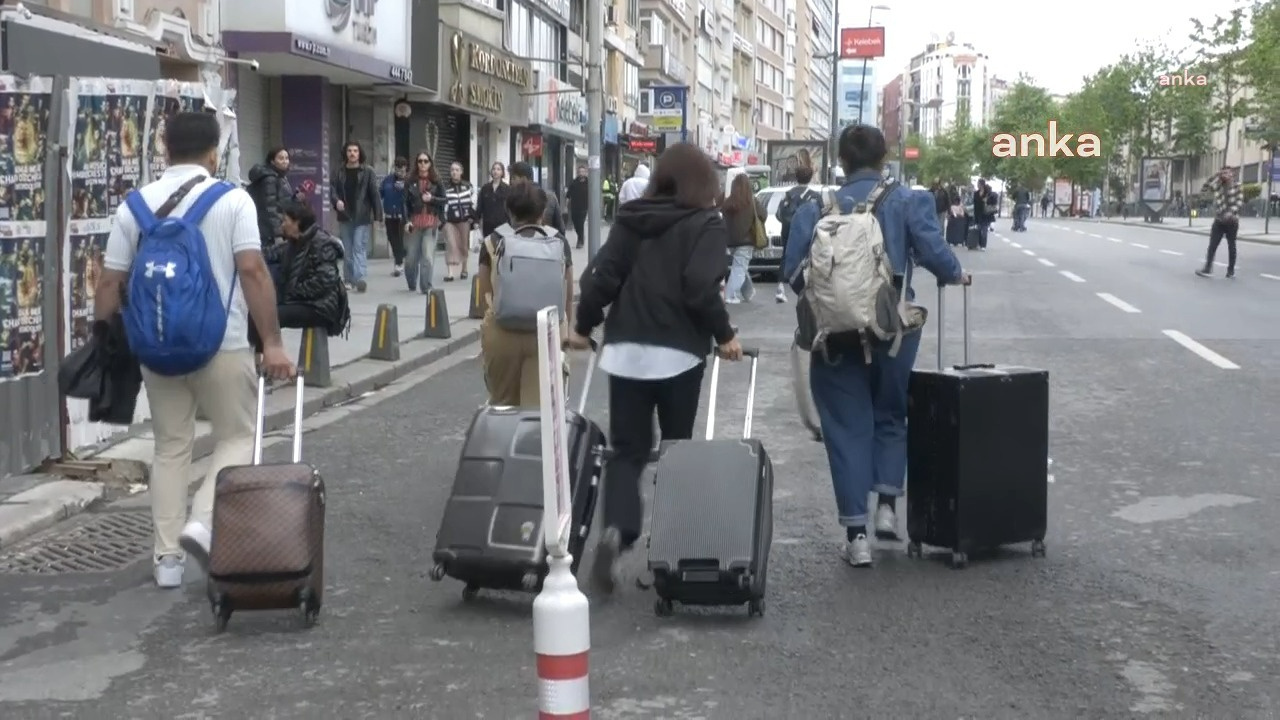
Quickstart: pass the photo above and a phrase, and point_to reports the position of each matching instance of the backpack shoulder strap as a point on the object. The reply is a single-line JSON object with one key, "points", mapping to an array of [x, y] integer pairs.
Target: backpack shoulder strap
{"points": [[142, 212], [206, 201], [830, 203]]}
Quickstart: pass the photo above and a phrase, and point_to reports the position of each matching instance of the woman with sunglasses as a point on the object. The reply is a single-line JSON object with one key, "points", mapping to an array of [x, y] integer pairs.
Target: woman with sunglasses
{"points": [[424, 202]]}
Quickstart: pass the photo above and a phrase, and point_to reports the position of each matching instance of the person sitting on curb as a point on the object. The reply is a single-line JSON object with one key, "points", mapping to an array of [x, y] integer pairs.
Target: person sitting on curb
{"points": [[311, 293]]}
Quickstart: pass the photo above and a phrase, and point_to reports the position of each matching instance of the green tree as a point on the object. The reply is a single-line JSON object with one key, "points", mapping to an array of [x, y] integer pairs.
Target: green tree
{"points": [[952, 156], [1261, 67], [1223, 48], [1083, 112], [1026, 110]]}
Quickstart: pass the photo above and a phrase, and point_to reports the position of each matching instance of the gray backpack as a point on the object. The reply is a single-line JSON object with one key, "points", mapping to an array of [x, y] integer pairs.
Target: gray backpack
{"points": [[528, 275]]}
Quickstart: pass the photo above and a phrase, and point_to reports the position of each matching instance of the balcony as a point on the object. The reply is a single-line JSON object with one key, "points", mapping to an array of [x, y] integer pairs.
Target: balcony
{"points": [[743, 45], [680, 8], [664, 60]]}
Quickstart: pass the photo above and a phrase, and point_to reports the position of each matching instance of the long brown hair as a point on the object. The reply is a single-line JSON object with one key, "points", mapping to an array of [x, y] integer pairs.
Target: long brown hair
{"points": [[740, 198], [684, 174], [432, 177]]}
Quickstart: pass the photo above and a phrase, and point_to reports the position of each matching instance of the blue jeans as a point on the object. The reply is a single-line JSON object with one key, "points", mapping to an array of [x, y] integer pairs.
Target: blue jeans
{"points": [[419, 254], [355, 250], [1020, 214], [740, 286], [863, 410]]}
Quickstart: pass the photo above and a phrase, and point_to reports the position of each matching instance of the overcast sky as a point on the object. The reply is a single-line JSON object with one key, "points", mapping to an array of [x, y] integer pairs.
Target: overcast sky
{"points": [[1058, 42]]}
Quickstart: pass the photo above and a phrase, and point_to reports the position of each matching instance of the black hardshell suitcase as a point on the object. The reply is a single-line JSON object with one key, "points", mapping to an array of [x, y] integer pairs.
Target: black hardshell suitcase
{"points": [[977, 454], [491, 534], [712, 520], [972, 237]]}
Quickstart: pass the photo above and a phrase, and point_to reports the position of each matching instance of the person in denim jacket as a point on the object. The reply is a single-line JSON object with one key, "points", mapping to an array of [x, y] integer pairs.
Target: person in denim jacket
{"points": [[863, 407]]}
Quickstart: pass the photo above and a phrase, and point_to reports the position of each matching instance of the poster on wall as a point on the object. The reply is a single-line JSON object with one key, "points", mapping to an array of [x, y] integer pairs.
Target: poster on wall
{"points": [[24, 126], [24, 132], [171, 97]]}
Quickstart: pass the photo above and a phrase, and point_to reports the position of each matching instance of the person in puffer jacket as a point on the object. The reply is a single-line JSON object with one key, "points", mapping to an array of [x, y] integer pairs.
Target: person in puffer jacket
{"points": [[271, 192], [311, 292]]}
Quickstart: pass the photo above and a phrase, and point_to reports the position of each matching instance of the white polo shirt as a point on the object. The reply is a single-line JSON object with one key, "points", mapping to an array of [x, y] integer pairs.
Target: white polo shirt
{"points": [[230, 227]]}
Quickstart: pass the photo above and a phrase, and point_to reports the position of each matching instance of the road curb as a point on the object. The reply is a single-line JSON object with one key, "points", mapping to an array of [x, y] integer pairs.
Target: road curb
{"points": [[49, 503], [1190, 231]]}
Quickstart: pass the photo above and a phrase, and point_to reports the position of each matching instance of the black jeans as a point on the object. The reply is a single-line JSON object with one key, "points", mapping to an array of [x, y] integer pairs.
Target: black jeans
{"points": [[579, 228], [395, 237], [291, 315], [1221, 229], [631, 407]]}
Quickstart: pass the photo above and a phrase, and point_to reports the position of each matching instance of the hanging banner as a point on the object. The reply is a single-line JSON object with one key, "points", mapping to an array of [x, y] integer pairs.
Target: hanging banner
{"points": [[171, 97], [24, 133]]}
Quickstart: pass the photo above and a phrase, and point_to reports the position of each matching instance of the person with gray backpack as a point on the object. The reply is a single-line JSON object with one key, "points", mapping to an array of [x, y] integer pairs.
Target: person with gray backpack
{"points": [[850, 265], [525, 266]]}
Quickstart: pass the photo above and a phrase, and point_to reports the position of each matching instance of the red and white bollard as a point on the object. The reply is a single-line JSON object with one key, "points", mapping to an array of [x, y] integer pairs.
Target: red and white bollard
{"points": [[562, 641]]}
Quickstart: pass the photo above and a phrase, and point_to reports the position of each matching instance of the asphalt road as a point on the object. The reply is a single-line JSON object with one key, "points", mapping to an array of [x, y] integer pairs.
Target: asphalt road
{"points": [[1157, 598]]}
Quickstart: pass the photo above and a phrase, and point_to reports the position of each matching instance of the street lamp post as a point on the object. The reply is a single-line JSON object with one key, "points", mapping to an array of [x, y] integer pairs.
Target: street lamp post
{"points": [[863, 90], [835, 87]]}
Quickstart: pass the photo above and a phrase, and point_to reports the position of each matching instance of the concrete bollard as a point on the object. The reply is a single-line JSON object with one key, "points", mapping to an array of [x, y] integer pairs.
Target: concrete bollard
{"points": [[313, 358], [562, 642], [437, 316], [479, 303], [386, 334]]}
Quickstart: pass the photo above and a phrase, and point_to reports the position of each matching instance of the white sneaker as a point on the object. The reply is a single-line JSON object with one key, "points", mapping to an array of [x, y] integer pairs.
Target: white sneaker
{"points": [[195, 540], [858, 552], [733, 301], [886, 523], [168, 571], [780, 296], [398, 271]]}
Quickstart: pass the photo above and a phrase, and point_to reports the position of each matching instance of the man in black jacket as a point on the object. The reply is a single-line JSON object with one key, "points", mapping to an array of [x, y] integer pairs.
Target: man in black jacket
{"points": [[355, 196], [491, 206], [523, 172], [577, 197]]}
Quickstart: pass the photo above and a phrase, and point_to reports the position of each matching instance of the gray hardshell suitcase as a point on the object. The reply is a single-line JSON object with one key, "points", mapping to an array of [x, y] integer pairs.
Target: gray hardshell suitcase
{"points": [[491, 534], [712, 521]]}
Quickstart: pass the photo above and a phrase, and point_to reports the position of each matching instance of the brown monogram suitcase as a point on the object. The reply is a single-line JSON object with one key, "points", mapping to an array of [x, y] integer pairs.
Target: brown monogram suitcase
{"points": [[267, 548]]}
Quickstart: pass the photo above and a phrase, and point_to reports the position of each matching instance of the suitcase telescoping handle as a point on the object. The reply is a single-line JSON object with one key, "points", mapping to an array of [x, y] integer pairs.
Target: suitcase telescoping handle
{"points": [[261, 420], [942, 325], [587, 377], [752, 353]]}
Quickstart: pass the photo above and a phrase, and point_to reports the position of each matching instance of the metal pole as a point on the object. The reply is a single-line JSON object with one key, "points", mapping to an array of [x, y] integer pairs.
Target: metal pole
{"points": [[1271, 184], [835, 91], [595, 124], [1186, 188], [862, 91]]}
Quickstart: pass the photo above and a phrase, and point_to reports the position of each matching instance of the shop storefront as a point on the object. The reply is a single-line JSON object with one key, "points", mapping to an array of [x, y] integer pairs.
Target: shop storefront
{"points": [[557, 112], [636, 147], [311, 55], [611, 167], [485, 86]]}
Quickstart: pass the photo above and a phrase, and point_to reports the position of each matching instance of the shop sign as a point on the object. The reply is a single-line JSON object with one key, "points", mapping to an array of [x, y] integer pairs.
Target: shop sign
{"points": [[377, 28], [532, 145], [558, 107], [484, 79], [642, 145]]}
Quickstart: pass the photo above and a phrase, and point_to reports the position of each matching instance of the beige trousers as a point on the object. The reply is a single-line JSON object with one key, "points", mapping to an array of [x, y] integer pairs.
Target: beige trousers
{"points": [[226, 391]]}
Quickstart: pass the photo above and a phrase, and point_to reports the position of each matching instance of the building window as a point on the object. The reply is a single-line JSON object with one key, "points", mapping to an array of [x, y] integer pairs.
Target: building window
{"points": [[653, 27], [578, 16], [633, 16]]}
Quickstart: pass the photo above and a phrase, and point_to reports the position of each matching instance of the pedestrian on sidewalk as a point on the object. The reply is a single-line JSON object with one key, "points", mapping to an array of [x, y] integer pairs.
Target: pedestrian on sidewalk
{"points": [[354, 196], [522, 172], [802, 193], [508, 333], [271, 192], [984, 211], [394, 214], [741, 212], [424, 203], [459, 215], [1228, 198], [659, 278], [311, 293], [491, 206], [863, 403], [577, 196], [634, 187], [1021, 208], [225, 386]]}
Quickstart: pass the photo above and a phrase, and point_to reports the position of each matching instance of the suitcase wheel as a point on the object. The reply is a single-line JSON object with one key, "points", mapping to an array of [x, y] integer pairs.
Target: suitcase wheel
{"points": [[914, 550], [663, 608], [470, 592], [755, 608], [308, 607], [221, 613], [959, 560], [1037, 548], [437, 572]]}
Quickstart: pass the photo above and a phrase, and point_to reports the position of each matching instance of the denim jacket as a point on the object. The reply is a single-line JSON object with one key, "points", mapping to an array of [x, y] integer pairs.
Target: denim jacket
{"points": [[907, 219]]}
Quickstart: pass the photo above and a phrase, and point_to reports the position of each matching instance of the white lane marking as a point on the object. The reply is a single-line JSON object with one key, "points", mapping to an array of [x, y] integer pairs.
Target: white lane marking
{"points": [[1094, 236], [1045, 263], [1117, 302], [1115, 240], [1071, 276], [1205, 353], [1270, 277], [1140, 245], [1004, 238], [1220, 264], [1016, 245], [1028, 253], [1171, 252]]}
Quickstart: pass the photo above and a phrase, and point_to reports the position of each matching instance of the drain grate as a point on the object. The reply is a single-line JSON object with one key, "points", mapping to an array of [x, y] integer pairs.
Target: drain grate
{"points": [[100, 542]]}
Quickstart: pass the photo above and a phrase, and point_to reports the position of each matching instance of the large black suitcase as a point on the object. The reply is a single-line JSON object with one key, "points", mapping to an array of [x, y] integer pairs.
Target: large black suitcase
{"points": [[491, 534], [977, 454], [712, 519]]}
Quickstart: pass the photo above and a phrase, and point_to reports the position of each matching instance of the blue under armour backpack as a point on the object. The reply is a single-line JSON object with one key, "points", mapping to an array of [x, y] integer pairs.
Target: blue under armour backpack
{"points": [[174, 314]]}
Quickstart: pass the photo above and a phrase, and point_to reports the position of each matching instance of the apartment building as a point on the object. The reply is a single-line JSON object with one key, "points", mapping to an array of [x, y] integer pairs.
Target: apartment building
{"points": [[627, 138], [666, 35], [769, 65], [711, 87], [815, 63], [947, 81], [857, 96]]}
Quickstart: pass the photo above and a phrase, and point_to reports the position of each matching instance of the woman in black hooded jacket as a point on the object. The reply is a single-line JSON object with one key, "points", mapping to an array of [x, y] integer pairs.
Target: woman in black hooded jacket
{"points": [[271, 192], [310, 292], [659, 277]]}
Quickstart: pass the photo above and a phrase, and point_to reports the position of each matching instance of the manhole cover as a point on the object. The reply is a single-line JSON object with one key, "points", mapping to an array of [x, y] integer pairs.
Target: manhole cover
{"points": [[99, 542]]}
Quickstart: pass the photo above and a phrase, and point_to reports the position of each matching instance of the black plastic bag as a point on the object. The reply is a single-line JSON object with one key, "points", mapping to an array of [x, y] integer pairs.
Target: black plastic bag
{"points": [[80, 373]]}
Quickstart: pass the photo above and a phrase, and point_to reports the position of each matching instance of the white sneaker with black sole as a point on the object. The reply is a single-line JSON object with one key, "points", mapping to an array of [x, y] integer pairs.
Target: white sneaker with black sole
{"points": [[886, 523], [857, 552]]}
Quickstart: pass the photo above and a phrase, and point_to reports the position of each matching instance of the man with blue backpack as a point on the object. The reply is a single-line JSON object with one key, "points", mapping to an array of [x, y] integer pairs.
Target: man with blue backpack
{"points": [[184, 268]]}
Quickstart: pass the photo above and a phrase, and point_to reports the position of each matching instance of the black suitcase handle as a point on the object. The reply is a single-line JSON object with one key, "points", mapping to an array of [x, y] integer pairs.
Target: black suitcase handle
{"points": [[966, 365]]}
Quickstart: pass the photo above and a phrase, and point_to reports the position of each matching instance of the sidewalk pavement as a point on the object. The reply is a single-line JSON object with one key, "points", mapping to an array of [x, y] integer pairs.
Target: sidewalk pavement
{"points": [[1251, 228], [31, 503]]}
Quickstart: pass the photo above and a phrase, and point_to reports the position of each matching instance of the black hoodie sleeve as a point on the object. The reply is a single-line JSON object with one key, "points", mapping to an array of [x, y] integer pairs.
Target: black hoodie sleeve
{"points": [[702, 276], [602, 280]]}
